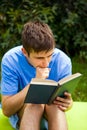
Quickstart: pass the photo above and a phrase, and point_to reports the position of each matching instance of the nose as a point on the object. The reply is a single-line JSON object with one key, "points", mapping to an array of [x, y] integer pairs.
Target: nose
{"points": [[45, 63]]}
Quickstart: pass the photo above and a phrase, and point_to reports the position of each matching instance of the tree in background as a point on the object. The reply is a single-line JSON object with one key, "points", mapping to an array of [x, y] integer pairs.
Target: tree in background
{"points": [[68, 20]]}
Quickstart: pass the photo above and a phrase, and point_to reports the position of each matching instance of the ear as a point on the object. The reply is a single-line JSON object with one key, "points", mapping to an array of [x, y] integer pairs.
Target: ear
{"points": [[24, 51]]}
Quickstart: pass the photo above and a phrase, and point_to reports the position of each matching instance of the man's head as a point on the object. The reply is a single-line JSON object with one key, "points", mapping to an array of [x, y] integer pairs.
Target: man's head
{"points": [[37, 37], [38, 43]]}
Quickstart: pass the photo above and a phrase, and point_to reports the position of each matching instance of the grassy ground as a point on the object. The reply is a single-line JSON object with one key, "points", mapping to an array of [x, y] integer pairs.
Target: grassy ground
{"points": [[80, 94]]}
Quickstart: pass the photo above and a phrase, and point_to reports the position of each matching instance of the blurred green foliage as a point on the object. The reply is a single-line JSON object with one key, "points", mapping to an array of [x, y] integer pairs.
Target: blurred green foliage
{"points": [[68, 20], [80, 94]]}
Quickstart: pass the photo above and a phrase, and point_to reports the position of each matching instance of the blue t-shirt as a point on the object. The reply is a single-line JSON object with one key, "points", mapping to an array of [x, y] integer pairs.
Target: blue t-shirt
{"points": [[17, 72]]}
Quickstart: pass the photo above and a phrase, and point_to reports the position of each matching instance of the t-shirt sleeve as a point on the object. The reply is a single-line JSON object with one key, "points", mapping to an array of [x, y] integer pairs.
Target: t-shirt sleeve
{"points": [[9, 79], [65, 68]]}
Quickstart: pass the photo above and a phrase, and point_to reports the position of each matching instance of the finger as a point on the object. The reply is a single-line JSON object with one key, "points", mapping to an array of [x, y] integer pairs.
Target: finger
{"points": [[67, 95], [64, 104], [42, 72], [62, 108], [63, 100]]}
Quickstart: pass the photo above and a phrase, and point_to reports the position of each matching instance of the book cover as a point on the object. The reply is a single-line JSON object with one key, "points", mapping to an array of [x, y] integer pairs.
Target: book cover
{"points": [[44, 91]]}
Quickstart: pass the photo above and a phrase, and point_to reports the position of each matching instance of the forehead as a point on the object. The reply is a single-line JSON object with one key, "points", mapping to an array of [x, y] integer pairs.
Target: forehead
{"points": [[42, 53]]}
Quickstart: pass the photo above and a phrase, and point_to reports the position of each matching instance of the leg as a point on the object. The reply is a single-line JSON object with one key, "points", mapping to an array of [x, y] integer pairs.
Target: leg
{"points": [[31, 117], [56, 118]]}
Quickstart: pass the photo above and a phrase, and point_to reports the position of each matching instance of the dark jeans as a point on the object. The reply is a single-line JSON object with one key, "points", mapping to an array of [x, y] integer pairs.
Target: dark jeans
{"points": [[44, 125]]}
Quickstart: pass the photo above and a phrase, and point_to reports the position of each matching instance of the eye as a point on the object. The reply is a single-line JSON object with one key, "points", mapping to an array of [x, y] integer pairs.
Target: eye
{"points": [[49, 56], [39, 58]]}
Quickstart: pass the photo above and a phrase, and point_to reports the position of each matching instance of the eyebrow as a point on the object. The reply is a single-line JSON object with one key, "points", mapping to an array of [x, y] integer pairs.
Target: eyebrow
{"points": [[44, 57]]}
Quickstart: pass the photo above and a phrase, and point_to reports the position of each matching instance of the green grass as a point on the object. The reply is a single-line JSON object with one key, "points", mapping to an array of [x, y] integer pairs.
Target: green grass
{"points": [[80, 94]]}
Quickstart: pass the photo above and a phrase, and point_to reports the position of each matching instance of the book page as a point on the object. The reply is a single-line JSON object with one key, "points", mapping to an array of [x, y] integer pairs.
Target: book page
{"points": [[68, 78], [43, 81]]}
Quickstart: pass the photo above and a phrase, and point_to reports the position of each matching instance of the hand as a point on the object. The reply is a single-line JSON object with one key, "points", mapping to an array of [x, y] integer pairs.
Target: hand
{"points": [[64, 103], [42, 72]]}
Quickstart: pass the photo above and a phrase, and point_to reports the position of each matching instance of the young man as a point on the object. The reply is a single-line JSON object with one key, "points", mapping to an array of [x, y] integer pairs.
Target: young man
{"points": [[38, 58]]}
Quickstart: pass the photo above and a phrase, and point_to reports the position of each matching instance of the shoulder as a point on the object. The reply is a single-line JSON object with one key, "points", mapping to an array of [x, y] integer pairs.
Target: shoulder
{"points": [[12, 54], [62, 63], [60, 55]]}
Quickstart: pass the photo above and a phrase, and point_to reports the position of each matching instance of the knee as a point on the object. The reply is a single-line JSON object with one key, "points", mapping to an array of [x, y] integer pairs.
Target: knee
{"points": [[52, 110], [35, 107]]}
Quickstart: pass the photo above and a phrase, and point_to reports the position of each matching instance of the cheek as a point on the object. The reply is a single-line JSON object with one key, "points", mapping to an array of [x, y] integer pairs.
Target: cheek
{"points": [[35, 63], [49, 59], [39, 63]]}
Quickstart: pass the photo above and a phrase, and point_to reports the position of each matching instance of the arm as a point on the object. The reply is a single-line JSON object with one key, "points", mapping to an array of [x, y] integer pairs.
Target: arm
{"points": [[12, 104], [12, 100]]}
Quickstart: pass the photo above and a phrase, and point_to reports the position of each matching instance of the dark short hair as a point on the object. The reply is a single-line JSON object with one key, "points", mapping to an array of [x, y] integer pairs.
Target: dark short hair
{"points": [[37, 36]]}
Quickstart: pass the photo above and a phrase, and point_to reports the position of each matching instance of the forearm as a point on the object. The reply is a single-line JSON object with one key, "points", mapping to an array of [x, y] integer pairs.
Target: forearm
{"points": [[12, 104]]}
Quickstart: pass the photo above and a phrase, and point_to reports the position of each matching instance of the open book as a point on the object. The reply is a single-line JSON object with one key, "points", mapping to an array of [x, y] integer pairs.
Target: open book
{"points": [[44, 91]]}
